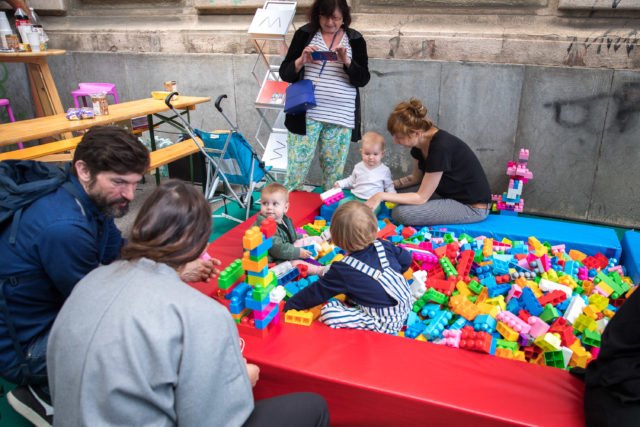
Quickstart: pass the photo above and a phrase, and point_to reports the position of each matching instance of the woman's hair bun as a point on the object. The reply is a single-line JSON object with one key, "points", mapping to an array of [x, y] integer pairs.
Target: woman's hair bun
{"points": [[417, 108]]}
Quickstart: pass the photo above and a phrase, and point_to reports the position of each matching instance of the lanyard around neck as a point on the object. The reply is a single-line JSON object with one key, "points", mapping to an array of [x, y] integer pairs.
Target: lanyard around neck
{"points": [[325, 61]]}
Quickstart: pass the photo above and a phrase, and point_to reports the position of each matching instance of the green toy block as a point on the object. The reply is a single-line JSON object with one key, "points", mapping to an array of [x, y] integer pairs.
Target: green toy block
{"points": [[475, 287], [230, 275], [311, 231], [435, 296], [511, 345], [448, 267], [448, 238], [591, 338], [549, 314], [554, 358]]}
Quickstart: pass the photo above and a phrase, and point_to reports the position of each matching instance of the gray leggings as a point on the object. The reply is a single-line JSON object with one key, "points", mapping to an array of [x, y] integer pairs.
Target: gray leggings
{"points": [[436, 212]]}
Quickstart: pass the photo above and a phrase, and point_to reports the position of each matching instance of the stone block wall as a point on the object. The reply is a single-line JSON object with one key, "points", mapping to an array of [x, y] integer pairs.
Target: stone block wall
{"points": [[560, 77]]}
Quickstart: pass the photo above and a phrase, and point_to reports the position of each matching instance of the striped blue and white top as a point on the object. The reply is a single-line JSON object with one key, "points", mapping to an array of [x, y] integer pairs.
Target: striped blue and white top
{"points": [[335, 96]]}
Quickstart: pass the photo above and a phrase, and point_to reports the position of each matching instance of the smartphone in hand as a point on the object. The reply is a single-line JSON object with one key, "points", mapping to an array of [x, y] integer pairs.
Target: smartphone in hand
{"points": [[324, 55]]}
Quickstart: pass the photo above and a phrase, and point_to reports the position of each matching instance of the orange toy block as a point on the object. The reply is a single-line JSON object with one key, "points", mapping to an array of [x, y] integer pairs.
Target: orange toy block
{"points": [[463, 307], [249, 265], [252, 238]]}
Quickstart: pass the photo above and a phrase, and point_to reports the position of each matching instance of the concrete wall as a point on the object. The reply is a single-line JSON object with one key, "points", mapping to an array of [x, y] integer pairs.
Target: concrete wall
{"points": [[582, 126]]}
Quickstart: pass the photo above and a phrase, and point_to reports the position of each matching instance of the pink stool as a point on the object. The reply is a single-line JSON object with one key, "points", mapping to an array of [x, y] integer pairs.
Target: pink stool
{"points": [[87, 89], [5, 103]]}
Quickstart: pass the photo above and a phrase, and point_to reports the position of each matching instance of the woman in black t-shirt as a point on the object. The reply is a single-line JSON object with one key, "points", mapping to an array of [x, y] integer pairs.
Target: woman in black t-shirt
{"points": [[448, 184]]}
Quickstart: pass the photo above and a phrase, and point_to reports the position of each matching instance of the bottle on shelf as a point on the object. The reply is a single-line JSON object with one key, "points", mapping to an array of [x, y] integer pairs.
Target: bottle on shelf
{"points": [[5, 30], [20, 17], [37, 25]]}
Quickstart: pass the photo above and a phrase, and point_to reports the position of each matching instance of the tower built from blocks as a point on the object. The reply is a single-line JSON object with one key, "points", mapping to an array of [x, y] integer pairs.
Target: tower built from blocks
{"points": [[511, 202]]}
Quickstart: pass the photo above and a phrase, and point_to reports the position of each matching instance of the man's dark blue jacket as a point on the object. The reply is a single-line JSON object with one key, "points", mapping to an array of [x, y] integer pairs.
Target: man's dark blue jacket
{"points": [[60, 239]]}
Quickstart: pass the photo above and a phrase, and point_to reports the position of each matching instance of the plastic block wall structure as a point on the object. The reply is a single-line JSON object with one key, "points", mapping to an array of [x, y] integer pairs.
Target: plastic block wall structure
{"points": [[251, 300], [511, 201]]}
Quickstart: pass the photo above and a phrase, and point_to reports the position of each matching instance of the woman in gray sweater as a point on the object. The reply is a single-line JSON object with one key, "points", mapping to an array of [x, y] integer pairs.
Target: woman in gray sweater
{"points": [[134, 345]]}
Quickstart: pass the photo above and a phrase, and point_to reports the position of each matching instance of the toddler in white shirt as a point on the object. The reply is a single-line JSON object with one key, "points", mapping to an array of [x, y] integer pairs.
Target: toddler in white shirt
{"points": [[369, 176]]}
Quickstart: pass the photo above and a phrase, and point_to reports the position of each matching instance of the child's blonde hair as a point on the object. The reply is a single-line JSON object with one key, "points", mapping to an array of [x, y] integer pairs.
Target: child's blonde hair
{"points": [[373, 137], [353, 226], [275, 187]]}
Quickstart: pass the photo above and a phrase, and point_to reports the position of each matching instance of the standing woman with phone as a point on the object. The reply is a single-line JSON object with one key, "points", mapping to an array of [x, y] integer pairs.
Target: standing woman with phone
{"points": [[335, 121]]}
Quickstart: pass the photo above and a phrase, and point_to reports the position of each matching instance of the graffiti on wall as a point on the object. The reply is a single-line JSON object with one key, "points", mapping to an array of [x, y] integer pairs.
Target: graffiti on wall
{"points": [[578, 112], [578, 49]]}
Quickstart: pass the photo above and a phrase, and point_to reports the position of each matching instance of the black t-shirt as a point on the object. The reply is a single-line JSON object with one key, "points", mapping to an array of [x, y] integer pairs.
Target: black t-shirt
{"points": [[618, 364], [463, 178]]}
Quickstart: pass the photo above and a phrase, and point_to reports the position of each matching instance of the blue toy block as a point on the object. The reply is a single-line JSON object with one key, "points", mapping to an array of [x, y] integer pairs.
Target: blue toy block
{"points": [[236, 305], [291, 288], [328, 257], [239, 291], [249, 302], [460, 323], [494, 291], [262, 273], [262, 323], [327, 211], [563, 305], [262, 248], [436, 325], [312, 249], [530, 302], [513, 306], [484, 323], [412, 318], [395, 239], [289, 276], [499, 267], [430, 310], [631, 254], [414, 330]]}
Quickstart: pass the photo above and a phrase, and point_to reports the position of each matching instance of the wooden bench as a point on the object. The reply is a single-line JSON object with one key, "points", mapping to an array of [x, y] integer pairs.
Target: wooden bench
{"points": [[39, 151], [158, 158]]}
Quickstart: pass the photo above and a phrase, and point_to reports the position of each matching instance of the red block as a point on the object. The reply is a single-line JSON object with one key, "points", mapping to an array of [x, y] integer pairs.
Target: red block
{"points": [[464, 262], [268, 227], [476, 341], [388, 230], [553, 298]]}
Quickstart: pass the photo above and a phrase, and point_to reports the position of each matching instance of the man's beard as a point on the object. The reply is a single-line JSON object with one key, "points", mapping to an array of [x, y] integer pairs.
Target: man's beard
{"points": [[110, 208]]}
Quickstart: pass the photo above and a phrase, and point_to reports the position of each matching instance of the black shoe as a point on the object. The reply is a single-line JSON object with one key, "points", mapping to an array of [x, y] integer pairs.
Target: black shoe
{"points": [[33, 404]]}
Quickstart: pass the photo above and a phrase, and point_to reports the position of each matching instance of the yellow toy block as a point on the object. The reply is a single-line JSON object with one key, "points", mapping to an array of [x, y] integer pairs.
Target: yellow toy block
{"points": [[319, 223], [260, 281], [519, 355], [550, 275], [325, 248], [487, 248], [338, 257], [608, 290], [252, 238], [249, 265], [420, 338], [568, 281], [577, 255], [504, 352], [507, 332], [490, 309], [588, 286], [585, 322], [462, 288], [299, 317], [463, 307], [507, 241], [390, 205], [497, 301], [548, 342], [591, 311], [608, 313]]}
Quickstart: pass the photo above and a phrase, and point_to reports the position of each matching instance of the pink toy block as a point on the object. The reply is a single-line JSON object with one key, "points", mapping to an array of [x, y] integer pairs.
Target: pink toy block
{"points": [[538, 326], [514, 322], [451, 337], [331, 196]]}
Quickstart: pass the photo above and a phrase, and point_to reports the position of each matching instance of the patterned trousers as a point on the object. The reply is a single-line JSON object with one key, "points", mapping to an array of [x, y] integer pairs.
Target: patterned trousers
{"points": [[333, 142]]}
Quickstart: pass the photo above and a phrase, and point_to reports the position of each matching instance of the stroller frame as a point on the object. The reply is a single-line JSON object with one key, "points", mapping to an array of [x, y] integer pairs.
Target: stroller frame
{"points": [[215, 169]]}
